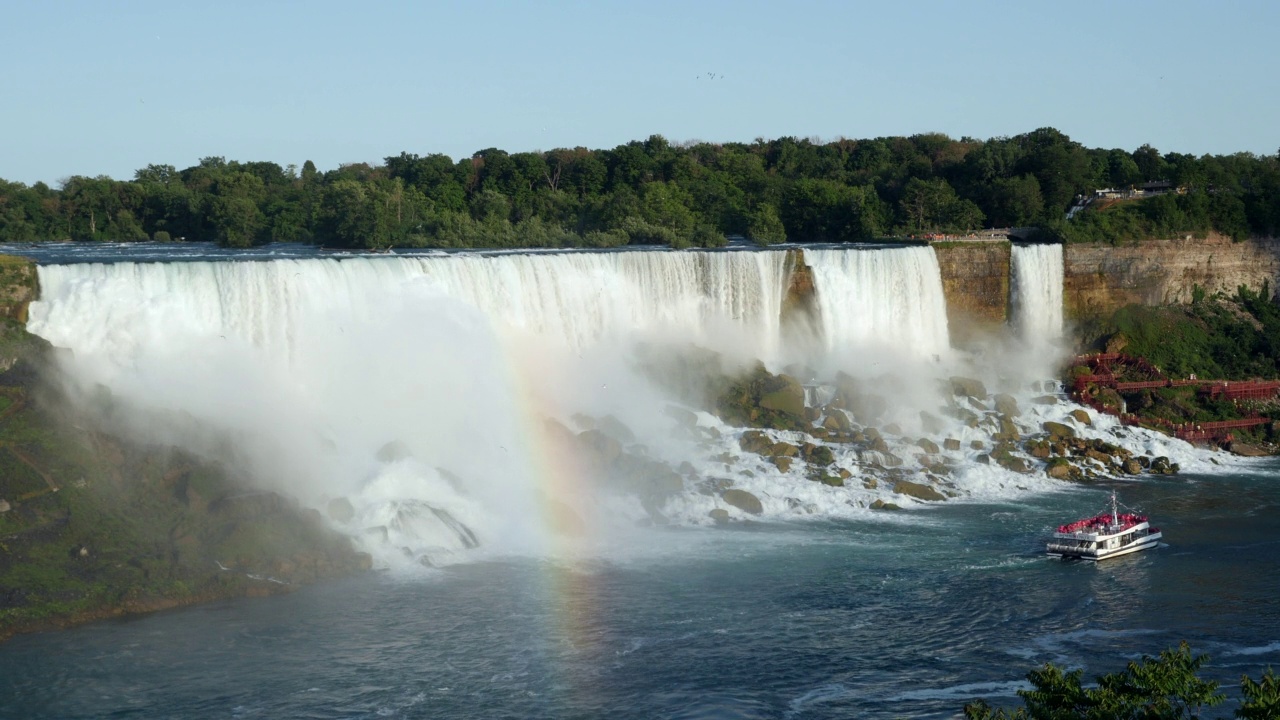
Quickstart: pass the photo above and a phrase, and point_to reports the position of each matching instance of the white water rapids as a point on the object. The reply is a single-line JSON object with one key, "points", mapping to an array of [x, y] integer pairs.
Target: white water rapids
{"points": [[409, 384]]}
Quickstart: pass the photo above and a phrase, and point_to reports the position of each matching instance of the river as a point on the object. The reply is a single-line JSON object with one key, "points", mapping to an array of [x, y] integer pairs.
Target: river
{"points": [[909, 617]]}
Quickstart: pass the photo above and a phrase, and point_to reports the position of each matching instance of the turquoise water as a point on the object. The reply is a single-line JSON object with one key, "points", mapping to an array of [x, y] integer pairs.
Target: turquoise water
{"points": [[904, 618]]}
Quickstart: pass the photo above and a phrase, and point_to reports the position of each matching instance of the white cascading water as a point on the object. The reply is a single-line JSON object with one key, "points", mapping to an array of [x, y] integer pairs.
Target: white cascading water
{"points": [[891, 300], [365, 377], [1036, 273], [417, 387]]}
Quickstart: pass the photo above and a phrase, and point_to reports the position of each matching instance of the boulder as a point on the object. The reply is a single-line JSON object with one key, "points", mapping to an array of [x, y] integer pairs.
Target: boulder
{"points": [[1081, 416], [870, 483], [928, 446], [1058, 468], [1057, 430], [893, 429], [919, 491], [1247, 450], [968, 387], [743, 500], [951, 444], [755, 441], [1007, 405], [1045, 400], [782, 449], [782, 463], [719, 515], [1008, 431], [786, 395], [831, 480], [819, 454], [837, 421], [714, 486], [1099, 456], [1131, 467]]}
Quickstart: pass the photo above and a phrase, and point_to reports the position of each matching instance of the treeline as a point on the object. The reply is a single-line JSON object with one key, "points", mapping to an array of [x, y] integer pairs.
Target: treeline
{"points": [[653, 192]]}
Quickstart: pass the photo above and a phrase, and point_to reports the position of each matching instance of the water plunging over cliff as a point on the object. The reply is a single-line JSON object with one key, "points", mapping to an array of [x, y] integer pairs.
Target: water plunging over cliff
{"points": [[418, 386], [886, 299], [1036, 285]]}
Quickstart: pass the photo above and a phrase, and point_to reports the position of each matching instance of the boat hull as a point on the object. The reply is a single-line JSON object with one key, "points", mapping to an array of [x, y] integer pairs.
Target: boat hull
{"points": [[1061, 550]]}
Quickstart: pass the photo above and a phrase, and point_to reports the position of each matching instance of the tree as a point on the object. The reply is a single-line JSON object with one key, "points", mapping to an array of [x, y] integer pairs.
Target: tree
{"points": [[1160, 688], [764, 227]]}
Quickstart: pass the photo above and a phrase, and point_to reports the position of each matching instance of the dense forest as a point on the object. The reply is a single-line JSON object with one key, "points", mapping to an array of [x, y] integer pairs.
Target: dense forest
{"points": [[654, 192]]}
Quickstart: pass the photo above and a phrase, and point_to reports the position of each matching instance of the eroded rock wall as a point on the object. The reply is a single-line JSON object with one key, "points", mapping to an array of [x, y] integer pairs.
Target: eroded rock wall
{"points": [[975, 281], [1102, 278]]}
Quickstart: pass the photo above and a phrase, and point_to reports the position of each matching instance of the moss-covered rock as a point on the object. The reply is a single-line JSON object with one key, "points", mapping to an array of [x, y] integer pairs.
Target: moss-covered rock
{"points": [[1057, 430], [916, 490], [743, 500]]}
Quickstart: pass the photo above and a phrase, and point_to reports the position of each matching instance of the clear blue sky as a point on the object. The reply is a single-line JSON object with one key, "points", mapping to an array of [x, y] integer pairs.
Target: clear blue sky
{"points": [[97, 87]]}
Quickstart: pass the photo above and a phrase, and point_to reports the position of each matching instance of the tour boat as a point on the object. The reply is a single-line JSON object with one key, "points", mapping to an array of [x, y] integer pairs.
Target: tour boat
{"points": [[1104, 536]]}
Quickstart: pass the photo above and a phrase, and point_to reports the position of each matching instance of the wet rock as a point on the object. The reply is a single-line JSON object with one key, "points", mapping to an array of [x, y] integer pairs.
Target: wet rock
{"points": [[1007, 405], [968, 387], [844, 473], [879, 445], [1059, 469], [782, 449], [1247, 450], [976, 444], [714, 486], [870, 483], [755, 441], [837, 421], [951, 444], [1081, 416], [928, 446], [720, 516], [1099, 456], [786, 394], [1045, 400], [4, 506], [916, 490], [782, 463], [1057, 430], [743, 500], [819, 454], [1131, 467], [893, 429]]}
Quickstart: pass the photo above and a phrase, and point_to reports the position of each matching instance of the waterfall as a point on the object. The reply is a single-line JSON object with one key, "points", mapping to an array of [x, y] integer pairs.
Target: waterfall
{"points": [[1036, 273], [881, 299], [418, 386]]}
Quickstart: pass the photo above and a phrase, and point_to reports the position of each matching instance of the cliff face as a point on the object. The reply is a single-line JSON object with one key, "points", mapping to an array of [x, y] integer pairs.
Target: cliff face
{"points": [[975, 281], [1101, 278]]}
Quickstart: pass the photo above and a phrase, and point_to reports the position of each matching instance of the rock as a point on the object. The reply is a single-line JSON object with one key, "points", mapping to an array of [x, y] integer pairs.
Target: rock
{"points": [[782, 449], [614, 428], [714, 486], [976, 444], [951, 444], [720, 516], [1099, 456], [917, 490], [819, 455], [812, 414], [743, 500], [1247, 450], [893, 429], [1015, 464], [928, 446], [837, 421], [1081, 416], [1008, 431], [831, 480], [1117, 343], [786, 396], [1131, 467], [600, 448], [968, 387], [870, 483], [844, 474], [1045, 400], [340, 510], [1058, 468], [879, 445], [1007, 405], [783, 463], [4, 506], [882, 505], [1057, 430], [755, 441]]}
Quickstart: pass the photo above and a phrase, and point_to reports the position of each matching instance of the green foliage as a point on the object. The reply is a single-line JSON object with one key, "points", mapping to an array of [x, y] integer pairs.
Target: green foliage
{"points": [[1153, 688], [658, 193]]}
